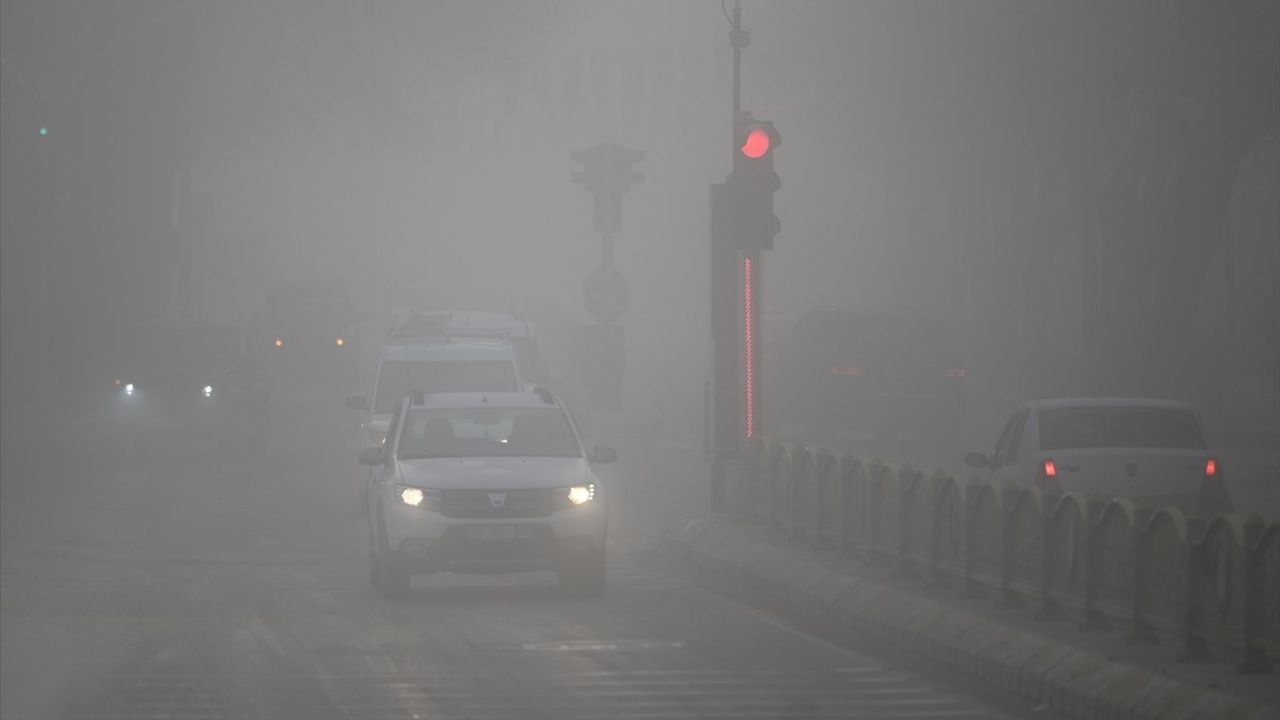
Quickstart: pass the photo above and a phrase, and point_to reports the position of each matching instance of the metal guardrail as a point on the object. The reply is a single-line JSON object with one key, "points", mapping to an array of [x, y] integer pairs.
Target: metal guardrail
{"points": [[1211, 583]]}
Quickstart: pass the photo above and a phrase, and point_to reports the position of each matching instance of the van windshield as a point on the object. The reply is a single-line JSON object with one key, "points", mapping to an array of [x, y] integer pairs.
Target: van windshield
{"points": [[398, 378], [1119, 427]]}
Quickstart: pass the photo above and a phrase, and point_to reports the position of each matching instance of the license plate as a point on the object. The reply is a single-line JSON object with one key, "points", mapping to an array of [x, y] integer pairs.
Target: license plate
{"points": [[499, 532]]}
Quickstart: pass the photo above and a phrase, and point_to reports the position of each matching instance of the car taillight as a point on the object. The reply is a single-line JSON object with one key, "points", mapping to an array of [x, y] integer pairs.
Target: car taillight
{"points": [[1047, 476], [846, 370], [1210, 468], [954, 372]]}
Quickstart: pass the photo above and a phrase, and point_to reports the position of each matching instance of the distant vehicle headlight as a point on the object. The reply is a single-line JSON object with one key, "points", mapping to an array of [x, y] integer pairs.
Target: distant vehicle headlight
{"points": [[581, 494], [279, 342], [129, 389], [340, 342], [208, 391]]}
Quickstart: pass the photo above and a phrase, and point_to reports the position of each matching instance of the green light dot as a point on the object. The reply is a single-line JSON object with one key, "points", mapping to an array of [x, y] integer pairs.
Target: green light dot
{"points": [[44, 131]]}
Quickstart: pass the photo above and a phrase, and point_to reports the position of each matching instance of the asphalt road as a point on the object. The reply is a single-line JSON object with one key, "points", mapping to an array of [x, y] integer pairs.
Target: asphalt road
{"points": [[177, 587]]}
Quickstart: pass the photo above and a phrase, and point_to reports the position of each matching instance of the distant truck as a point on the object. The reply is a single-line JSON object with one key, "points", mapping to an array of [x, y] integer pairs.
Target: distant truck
{"points": [[311, 333]]}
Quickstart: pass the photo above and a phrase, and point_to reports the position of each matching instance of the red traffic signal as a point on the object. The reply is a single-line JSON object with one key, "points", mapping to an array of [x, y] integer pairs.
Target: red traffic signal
{"points": [[757, 143]]}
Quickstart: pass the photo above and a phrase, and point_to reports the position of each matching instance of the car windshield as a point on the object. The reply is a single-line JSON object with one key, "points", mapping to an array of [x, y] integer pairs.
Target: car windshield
{"points": [[307, 308], [176, 350], [487, 432], [895, 339], [398, 378], [1119, 427]]}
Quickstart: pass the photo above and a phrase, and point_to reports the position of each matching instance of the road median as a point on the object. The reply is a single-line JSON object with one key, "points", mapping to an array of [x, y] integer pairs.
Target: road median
{"points": [[1069, 678]]}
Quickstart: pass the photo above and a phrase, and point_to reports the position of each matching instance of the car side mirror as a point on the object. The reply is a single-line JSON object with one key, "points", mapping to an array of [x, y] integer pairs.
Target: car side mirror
{"points": [[372, 456], [977, 460], [357, 401], [602, 454]]}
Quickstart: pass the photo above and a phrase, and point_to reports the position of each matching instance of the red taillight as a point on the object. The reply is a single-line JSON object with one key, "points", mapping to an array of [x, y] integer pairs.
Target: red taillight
{"points": [[1047, 477], [846, 370], [1210, 468], [954, 372]]}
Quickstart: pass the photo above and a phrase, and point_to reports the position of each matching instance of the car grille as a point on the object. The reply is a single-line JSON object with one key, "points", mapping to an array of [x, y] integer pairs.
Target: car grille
{"points": [[518, 504]]}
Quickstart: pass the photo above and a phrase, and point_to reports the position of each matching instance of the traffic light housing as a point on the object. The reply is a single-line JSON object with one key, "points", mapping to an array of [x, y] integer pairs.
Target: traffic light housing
{"points": [[607, 173], [752, 183]]}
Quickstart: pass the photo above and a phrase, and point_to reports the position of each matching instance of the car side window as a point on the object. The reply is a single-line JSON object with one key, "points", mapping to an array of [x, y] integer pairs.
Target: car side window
{"points": [[393, 430], [1015, 439]]}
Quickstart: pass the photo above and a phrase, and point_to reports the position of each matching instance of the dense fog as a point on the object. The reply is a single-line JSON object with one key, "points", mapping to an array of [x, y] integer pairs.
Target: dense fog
{"points": [[1084, 196]]}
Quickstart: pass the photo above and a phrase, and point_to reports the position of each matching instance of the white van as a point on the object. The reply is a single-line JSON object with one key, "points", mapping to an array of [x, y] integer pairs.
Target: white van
{"points": [[509, 326], [434, 365]]}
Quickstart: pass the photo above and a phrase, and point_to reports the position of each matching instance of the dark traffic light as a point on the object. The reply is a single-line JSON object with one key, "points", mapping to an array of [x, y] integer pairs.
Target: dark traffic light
{"points": [[607, 173], [752, 184]]}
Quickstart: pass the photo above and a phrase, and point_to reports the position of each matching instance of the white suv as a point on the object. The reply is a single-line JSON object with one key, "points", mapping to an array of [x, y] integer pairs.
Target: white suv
{"points": [[434, 365], [485, 483]]}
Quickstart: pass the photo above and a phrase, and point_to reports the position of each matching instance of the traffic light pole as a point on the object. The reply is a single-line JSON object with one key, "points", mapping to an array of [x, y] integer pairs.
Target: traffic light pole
{"points": [[737, 40], [726, 400]]}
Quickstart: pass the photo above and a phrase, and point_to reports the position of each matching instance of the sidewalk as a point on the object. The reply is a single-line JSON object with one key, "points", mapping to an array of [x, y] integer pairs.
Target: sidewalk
{"points": [[1077, 675]]}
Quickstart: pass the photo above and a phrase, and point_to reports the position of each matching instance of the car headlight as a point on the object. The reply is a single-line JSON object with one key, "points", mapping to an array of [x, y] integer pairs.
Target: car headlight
{"points": [[208, 391], [581, 494], [417, 497], [411, 495], [129, 389]]}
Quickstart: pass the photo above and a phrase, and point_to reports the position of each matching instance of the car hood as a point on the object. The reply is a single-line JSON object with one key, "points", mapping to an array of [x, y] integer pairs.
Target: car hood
{"points": [[498, 473]]}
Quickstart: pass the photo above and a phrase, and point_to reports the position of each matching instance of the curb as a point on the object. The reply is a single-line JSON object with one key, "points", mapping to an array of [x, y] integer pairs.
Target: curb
{"points": [[1070, 681]]}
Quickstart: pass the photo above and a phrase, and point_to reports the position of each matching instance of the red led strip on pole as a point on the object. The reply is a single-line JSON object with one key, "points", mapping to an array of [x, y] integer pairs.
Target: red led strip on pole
{"points": [[747, 347]]}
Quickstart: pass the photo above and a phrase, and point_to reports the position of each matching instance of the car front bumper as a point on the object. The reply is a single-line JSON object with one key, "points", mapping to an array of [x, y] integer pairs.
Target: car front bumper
{"points": [[424, 541]]}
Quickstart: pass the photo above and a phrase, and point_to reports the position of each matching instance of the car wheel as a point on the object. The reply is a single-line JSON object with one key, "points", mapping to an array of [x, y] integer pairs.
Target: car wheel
{"points": [[585, 577], [391, 579]]}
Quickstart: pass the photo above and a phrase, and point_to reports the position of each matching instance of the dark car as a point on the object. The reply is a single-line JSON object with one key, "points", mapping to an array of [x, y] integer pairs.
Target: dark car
{"points": [[874, 373], [184, 386], [310, 331]]}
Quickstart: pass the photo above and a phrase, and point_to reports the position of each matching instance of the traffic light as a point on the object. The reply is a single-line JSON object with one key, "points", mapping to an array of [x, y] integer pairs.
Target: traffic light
{"points": [[752, 184], [607, 173]]}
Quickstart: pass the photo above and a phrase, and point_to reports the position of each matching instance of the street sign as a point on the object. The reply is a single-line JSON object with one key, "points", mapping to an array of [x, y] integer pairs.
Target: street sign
{"points": [[605, 294]]}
